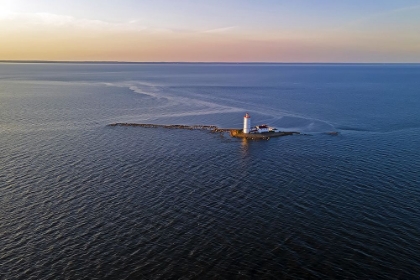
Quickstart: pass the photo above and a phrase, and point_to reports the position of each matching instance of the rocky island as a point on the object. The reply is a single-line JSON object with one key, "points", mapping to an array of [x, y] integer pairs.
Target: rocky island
{"points": [[261, 132]]}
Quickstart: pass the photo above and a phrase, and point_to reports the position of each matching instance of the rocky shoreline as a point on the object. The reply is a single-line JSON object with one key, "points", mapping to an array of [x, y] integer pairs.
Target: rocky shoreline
{"points": [[260, 136]]}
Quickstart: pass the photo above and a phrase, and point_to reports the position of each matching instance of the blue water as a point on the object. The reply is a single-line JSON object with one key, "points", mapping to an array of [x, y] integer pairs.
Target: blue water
{"points": [[82, 200]]}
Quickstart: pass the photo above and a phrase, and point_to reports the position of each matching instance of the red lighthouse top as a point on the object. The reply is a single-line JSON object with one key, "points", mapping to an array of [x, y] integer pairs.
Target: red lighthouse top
{"points": [[247, 116]]}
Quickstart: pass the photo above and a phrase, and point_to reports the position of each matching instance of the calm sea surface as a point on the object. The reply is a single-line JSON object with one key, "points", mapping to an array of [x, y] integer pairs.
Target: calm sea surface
{"points": [[81, 200]]}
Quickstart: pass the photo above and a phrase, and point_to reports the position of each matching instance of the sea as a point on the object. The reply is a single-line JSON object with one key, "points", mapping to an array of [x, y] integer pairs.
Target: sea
{"points": [[83, 200]]}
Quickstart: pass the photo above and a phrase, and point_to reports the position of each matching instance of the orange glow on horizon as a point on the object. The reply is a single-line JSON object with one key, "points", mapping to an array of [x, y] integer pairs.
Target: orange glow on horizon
{"points": [[64, 38]]}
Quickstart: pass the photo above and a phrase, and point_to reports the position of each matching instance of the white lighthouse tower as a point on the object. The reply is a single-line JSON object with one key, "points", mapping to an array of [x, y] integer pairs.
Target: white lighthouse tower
{"points": [[247, 123]]}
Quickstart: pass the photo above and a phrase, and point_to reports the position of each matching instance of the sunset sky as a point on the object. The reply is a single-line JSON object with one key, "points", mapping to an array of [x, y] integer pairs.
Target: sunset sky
{"points": [[209, 31]]}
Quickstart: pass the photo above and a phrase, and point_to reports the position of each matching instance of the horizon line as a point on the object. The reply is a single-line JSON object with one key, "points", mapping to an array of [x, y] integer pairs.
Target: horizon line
{"points": [[35, 61]]}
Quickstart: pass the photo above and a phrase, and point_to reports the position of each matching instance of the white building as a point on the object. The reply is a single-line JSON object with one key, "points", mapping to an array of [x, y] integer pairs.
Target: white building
{"points": [[256, 129], [247, 123], [262, 128]]}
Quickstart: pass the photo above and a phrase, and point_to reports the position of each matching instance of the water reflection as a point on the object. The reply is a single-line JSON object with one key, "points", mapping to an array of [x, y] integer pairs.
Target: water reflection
{"points": [[245, 147]]}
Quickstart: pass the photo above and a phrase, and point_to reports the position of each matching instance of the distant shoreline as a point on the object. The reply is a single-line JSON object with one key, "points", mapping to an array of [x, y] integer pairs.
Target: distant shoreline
{"points": [[186, 62]]}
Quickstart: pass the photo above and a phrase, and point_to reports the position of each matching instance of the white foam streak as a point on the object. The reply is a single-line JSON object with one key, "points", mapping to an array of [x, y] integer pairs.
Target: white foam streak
{"points": [[196, 106], [174, 103]]}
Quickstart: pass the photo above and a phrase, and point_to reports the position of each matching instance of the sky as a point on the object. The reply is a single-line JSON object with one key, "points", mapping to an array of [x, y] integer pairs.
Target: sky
{"points": [[211, 31]]}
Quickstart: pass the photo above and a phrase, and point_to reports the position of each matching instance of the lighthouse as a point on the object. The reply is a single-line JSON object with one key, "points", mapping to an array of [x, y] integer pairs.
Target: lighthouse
{"points": [[247, 123]]}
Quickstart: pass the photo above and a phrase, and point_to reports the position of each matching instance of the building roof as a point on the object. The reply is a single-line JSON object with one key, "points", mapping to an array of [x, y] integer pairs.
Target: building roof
{"points": [[262, 126]]}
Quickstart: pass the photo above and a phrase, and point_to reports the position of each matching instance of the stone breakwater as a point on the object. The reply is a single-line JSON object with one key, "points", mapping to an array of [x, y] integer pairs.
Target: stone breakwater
{"points": [[237, 133]]}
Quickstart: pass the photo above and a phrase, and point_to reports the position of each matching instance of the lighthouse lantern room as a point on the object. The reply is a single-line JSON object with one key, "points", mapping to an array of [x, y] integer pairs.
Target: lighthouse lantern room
{"points": [[247, 123]]}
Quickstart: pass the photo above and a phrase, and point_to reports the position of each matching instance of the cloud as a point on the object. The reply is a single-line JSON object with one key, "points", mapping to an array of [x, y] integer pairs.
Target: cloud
{"points": [[381, 15], [48, 20], [220, 30]]}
